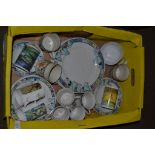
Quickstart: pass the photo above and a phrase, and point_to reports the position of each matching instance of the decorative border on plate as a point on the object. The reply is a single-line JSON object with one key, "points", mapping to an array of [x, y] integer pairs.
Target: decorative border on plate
{"points": [[63, 51]]}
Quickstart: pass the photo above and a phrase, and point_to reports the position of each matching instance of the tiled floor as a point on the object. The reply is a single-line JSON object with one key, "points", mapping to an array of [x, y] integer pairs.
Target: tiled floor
{"points": [[148, 112]]}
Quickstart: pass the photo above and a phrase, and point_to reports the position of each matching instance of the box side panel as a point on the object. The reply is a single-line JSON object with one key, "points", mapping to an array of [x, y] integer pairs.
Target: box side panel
{"points": [[88, 123]]}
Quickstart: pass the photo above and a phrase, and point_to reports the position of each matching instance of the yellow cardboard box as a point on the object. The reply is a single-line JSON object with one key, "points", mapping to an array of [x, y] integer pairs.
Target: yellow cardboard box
{"points": [[133, 88]]}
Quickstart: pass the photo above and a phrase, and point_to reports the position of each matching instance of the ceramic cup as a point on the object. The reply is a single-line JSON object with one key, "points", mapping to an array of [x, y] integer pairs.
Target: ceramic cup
{"points": [[61, 113], [65, 97], [120, 72], [49, 70], [25, 57], [88, 100], [112, 53], [77, 113], [55, 73], [50, 42]]}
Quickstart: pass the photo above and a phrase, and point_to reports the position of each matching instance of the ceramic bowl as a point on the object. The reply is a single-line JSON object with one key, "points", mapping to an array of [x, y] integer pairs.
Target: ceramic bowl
{"points": [[50, 42], [112, 53], [65, 97], [61, 113], [78, 113]]}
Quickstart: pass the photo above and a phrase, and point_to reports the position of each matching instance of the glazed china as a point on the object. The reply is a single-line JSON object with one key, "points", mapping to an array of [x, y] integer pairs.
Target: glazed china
{"points": [[50, 42], [65, 97], [88, 100], [108, 96], [78, 113], [120, 72], [112, 53], [55, 73], [25, 57], [49, 70], [61, 113], [33, 98], [82, 64]]}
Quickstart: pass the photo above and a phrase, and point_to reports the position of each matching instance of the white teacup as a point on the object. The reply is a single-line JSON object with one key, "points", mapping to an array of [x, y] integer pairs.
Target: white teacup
{"points": [[112, 53], [55, 73], [78, 113], [50, 42], [88, 100], [65, 97], [49, 70], [61, 113], [120, 72]]}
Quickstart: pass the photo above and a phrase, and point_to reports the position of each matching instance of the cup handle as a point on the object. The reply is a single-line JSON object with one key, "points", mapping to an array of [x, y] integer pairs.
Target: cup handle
{"points": [[123, 61], [87, 111]]}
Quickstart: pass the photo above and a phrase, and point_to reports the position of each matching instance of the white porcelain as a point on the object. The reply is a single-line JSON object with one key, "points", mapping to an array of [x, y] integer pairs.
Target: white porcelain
{"points": [[50, 42], [78, 113], [108, 96], [61, 113], [25, 57], [88, 100], [55, 73], [25, 99], [28, 101], [65, 97], [82, 64], [120, 72], [112, 53], [48, 70], [79, 64]]}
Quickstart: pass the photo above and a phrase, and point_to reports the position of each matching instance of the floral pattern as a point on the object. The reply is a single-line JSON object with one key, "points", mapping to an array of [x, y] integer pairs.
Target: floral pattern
{"points": [[66, 82]]}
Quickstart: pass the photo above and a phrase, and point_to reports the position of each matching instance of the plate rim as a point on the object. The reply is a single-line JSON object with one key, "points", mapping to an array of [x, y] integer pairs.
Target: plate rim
{"points": [[97, 54]]}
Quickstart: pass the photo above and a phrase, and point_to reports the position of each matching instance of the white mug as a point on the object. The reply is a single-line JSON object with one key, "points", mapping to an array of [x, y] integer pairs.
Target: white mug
{"points": [[65, 97], [77, 113], [61, 113], [120, 72], [50, 42], [88, 100]]}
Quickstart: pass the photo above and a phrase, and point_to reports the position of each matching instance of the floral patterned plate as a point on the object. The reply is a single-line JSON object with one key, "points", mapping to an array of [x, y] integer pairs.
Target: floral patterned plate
{"points": [[82, 64], [33, 98]]}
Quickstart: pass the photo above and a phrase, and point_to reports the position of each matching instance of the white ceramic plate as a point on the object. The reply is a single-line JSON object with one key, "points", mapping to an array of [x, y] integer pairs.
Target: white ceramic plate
{"points": [[38, 110], [82, 64]]}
